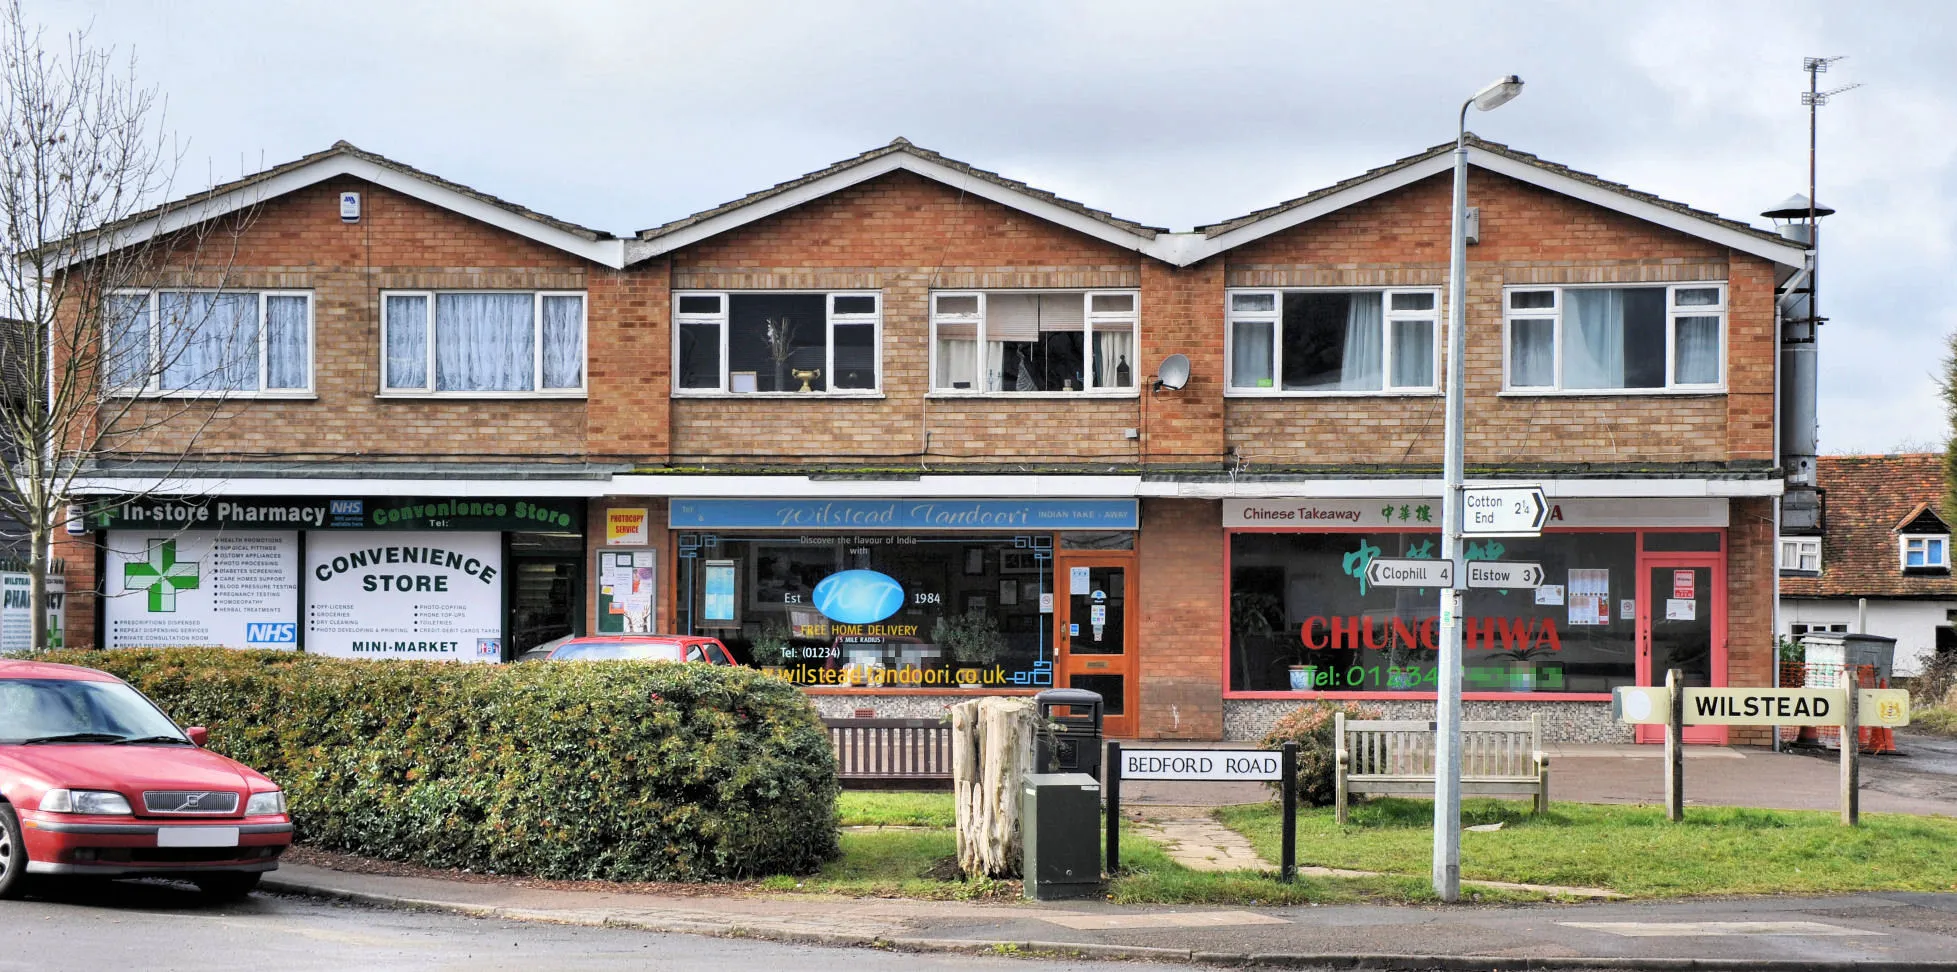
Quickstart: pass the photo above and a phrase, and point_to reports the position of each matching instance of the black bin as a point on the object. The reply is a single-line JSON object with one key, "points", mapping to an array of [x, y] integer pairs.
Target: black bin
{"points": [[1069, 743]]}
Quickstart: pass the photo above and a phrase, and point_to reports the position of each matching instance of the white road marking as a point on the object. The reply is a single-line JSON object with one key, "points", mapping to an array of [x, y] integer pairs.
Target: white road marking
{"points": [[1685, 929]]}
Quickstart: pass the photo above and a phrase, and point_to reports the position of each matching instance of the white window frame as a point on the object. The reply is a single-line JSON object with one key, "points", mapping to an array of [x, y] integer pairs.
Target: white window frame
{"points": [[1275, 316], [1089, 316], [152, 386], [536, 346], [830, 319], [1796, 551], [1673, 311], [1904, 543]]}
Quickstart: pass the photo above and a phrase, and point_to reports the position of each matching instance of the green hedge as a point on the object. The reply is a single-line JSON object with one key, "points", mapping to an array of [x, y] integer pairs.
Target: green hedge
{"points": [[620, 771]]}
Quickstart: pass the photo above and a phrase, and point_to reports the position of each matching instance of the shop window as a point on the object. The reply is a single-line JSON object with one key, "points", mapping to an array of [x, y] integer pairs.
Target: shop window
{"points": [[887, 611], [1361, 341], [1012, 342], [1304, 618], [482, 342], [203, 341], [1098, 540], [764, 342], [1616, 338]]}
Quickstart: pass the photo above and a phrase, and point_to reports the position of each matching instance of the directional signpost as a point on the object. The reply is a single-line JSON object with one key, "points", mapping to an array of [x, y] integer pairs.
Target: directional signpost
{"points": [[1504, 574], [1503, 511], [1400, 572]]}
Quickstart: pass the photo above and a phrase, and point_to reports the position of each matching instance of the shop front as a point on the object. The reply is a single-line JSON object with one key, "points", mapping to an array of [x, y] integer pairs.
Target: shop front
{"points": [[1630, 588], [896, 604], [457, 578]]}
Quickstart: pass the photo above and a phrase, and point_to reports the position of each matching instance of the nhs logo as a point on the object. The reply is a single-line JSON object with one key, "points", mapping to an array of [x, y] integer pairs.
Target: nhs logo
{"points": [[272, 633], [343, 507]]}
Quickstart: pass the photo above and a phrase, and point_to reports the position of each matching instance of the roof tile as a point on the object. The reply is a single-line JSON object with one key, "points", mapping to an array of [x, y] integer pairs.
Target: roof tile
{"points": [[1867, 498]]}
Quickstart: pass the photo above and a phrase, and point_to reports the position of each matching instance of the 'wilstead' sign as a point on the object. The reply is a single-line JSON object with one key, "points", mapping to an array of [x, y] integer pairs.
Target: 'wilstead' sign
{"points": [[1764, 706], [1200, 764]]}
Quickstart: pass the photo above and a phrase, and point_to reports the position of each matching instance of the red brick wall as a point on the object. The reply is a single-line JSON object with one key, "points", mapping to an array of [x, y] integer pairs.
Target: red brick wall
{"points": [[1750, 576], [78, 608], [1182, 619], [1528, 236], [657, 539], [298, 242]]}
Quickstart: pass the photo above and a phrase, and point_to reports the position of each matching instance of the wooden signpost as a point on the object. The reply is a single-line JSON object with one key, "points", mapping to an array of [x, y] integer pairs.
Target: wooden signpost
{"points": [[1676, 707]]}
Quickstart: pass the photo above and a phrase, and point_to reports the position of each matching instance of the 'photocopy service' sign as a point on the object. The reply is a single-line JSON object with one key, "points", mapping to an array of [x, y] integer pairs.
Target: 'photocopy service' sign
{"points": [[1200, 764], [384, 594], [201, 588]]}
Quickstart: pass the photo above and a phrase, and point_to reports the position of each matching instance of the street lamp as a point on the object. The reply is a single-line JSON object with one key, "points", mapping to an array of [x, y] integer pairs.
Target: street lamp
{"points": [[1447, 745]]}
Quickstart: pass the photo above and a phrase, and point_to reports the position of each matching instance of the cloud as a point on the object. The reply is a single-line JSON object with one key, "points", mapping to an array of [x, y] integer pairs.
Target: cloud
{"points": [[625, 115]]}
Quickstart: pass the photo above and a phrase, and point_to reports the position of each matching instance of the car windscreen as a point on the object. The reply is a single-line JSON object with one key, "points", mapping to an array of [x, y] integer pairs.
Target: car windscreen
{"points": [[45, 708], [618, 651]]}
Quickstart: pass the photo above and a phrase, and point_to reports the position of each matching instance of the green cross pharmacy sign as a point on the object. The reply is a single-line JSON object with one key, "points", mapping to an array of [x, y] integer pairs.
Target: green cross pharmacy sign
{"points": [[162, 575]]}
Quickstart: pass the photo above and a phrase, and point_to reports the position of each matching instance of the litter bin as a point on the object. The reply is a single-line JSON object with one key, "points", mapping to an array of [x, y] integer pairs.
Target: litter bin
{"points": [[1060, 830], [1848, 651], [1069, 743]]}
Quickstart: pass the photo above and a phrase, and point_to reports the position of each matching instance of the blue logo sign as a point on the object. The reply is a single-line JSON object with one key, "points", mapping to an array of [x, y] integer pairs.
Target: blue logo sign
{"points": [[344, 507], [858, 597], [272, 633], [904, 514]]}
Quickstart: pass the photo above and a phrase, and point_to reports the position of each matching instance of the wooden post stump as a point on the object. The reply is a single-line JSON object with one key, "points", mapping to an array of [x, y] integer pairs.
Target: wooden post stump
{"points": [[991, 748]]}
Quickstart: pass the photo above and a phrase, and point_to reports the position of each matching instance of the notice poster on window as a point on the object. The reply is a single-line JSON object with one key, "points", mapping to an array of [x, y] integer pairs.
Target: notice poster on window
{"points": [[201, 588], [1549, 594], [1589, 598], [1681, 609], [385, 594], [17, 614], [719, 601], [1683, 584]]}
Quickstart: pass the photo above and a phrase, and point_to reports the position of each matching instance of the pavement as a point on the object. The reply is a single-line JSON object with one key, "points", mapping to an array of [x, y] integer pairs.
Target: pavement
{"points": [[1863, 932]]}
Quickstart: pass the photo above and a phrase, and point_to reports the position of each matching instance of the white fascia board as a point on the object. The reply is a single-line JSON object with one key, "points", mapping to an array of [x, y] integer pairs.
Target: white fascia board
{"points": [[983, 188], [610, 253], [924, 487], [1279, 222], [1787, 255], [206, 486], [1552, 488]]}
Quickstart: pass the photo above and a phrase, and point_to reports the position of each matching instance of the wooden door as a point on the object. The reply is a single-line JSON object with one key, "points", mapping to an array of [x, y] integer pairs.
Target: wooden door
{"points": [[1095, 632]]}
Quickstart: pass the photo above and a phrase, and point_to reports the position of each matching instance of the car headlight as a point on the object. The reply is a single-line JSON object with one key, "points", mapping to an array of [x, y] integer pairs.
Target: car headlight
{"points": [[84, 801], [265, 804]]}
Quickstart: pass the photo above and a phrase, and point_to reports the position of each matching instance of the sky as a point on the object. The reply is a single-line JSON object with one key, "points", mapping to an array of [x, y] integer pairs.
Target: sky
{"points": [[624, 115]]}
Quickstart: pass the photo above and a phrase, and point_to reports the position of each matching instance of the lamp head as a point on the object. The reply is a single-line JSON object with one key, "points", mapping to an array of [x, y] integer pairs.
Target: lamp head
{"points": [[1498, 94]]}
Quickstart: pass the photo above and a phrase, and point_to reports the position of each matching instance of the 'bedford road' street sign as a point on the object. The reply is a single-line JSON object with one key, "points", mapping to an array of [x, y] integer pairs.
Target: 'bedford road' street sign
{"points": [[1763, 706], [1504, 574], [1200, 764], [1399, 572], [1503, 511]]}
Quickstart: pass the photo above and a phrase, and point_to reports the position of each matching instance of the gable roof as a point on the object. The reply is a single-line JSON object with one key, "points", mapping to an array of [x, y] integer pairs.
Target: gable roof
{"points": [[1922, 519], [1501, 159], [343, 158], [1869, 500], [1183, 249], [900, 154]]}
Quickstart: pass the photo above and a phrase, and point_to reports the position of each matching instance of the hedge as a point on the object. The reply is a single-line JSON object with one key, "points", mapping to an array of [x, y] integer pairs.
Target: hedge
{"points": [[622, 771]]}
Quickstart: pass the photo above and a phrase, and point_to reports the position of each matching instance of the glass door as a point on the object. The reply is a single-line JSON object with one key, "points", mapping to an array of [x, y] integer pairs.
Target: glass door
{"points": [[1095, 633], [1682, 625]]}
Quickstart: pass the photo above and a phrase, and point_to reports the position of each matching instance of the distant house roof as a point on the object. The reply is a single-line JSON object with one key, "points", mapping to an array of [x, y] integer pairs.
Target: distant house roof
{"points": [[1871, 502], [344, 158], [899, 154]]}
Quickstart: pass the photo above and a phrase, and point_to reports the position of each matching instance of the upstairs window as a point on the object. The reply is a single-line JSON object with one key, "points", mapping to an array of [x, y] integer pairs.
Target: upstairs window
{"points": [[1616, 338], [1800, 555], [483, 342], [1926, 553], [1351, 341], [191, 341], [744, 343], [1013, 342]]}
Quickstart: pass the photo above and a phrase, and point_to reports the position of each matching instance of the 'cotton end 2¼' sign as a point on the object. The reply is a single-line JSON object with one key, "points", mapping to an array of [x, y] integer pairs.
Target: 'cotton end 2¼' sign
{"points": [[1200, 764]]}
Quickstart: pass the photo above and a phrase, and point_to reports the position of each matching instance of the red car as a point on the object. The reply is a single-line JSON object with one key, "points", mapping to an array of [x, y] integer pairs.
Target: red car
{"points": [[96, 781], [672, 648]]}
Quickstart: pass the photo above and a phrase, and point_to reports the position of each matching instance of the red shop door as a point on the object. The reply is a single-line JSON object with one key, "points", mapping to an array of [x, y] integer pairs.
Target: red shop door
{"points": [[1682, 625]]}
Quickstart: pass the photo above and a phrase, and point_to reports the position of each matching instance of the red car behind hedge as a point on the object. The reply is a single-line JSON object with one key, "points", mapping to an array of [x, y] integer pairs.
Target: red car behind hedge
{"points": [[96, 781]]}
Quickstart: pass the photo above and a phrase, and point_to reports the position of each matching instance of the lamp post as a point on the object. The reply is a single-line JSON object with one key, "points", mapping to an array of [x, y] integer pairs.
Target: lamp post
{"points": [[1447, 745]]}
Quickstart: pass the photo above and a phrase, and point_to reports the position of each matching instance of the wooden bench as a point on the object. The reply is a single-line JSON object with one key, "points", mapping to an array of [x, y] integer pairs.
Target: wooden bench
{"points": [[891, 752], [1397, 757]]}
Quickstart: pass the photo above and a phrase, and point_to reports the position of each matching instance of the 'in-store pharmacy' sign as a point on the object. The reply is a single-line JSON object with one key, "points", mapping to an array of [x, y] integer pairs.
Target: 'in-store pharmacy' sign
{"points": [[338, 513]]}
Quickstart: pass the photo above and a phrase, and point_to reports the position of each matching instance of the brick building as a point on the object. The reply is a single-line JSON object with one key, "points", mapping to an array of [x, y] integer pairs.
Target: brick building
{"points": [[894, 428]]}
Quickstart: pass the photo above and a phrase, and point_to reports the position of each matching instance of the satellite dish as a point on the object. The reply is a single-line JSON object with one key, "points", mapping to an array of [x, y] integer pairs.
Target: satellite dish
{"points": [[1174, 372]]}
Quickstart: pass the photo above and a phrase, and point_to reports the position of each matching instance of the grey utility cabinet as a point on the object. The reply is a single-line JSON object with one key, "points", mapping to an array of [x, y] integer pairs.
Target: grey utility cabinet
{"points": [[1060, 817]]}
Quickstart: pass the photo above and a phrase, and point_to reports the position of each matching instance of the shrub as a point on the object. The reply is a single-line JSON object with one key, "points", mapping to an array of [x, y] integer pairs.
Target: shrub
{"points": [[1310, 726], [624, 771]]}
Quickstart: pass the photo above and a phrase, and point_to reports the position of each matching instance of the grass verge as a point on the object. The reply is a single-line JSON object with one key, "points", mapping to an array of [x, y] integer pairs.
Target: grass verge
{"points": [[1937, 719], [895, 808], [1631, 850]]}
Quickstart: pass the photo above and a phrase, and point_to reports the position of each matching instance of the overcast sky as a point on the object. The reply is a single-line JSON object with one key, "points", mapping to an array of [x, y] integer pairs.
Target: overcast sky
{"points": [[625, 115]]}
